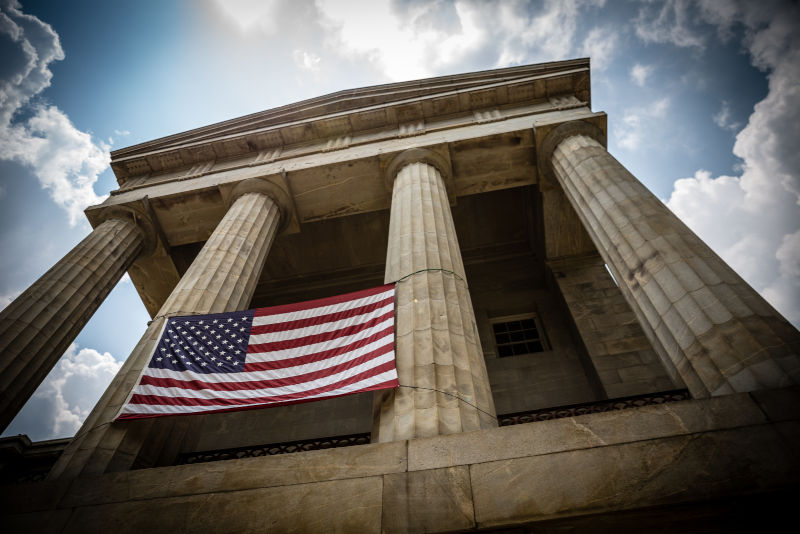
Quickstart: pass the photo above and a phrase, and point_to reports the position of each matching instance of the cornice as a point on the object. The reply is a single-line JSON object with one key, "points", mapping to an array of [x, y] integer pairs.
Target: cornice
{"points": [[345, 113]]}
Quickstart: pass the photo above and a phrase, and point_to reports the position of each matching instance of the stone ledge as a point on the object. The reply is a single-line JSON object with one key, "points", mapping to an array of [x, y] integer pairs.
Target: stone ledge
{"points": [[335, 506], [779, 404], [230, 475], [681, 454], [632, 475], [586, 431]]}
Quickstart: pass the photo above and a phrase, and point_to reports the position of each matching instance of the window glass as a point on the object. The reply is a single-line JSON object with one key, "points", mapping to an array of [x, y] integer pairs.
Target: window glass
{"points": [[518, 336]]}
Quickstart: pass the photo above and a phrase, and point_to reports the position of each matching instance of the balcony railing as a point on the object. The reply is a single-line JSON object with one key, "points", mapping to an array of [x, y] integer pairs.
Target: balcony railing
{"points": [[593, 407]]}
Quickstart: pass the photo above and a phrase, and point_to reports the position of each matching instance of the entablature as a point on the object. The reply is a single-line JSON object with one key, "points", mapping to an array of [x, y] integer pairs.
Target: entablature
{"points": [[338, 120], [485, 156]]}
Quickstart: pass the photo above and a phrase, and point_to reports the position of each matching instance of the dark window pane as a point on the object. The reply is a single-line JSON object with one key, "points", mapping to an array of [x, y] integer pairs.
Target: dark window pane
{"points": [[531, 334], [517, 337], [535, 346], [505, 350]]}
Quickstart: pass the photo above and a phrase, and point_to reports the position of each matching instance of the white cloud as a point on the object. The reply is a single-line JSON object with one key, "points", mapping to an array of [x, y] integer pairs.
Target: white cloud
{"points": [[640, 74], [636, 122], [64, 159], [66, 397], [753, 219], [251, 14], [415, 40], [600, 45], [403, 44], [724, 118], [789, 255], [306, 60], [409, 39], [668, 22]]}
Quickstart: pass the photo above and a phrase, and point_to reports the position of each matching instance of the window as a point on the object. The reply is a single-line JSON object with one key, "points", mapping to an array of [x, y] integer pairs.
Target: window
{"points": [[518, 335]]}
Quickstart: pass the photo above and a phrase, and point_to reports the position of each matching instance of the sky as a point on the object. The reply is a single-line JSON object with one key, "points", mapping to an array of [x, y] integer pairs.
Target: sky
{"points": [[703, 103]]}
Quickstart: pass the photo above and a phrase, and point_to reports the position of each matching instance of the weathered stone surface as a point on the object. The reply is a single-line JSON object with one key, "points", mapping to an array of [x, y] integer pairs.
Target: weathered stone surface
{"points": [[444, 387], [632, 475], [337, 506], [436, 500], [38, 326], [559, 375], [633, 462], [44, 521], [609, 329], [586, 431], [710, 327], [312, 466], [222, 476], [351, 414], [22, 498], [779, 404], [161, 515], [222, 278]]}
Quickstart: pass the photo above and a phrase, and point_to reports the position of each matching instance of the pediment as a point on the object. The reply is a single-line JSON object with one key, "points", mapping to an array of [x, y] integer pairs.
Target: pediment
{"points": [[345, 112]]}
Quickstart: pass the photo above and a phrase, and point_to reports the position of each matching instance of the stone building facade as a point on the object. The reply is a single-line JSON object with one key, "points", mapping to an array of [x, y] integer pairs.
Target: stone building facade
{"points": [[571, 356]]}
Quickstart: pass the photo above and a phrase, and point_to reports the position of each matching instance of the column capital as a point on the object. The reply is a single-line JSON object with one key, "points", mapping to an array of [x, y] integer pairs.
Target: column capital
{"points": [[267, 187], [422, 155], [137, 217], [548, 140]]}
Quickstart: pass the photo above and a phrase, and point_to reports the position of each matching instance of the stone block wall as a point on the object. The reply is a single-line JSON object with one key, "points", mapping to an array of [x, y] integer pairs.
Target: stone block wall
{"points": [[623, 357], [557, 376], [351, 414]]}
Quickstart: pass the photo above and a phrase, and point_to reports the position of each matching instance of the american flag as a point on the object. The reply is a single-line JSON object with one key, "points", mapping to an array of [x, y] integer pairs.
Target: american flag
{"points": [[269, 356]]}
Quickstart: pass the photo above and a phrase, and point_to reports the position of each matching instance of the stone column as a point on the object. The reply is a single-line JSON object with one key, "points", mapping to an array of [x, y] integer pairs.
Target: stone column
{"points": [[222, 278], [716, 332], [38, 326], [438, 351]]}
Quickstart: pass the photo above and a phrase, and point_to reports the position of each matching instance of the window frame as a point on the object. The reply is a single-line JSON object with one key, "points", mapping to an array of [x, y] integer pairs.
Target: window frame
{"points": [[542, 339]]}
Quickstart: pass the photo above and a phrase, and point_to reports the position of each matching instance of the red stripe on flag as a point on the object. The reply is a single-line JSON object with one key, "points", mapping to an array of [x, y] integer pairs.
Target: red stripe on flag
{"points": [[318, 303], [159, 400], [318, 338], [267, 383], [382, 385], [319, 319], [318, 356]]}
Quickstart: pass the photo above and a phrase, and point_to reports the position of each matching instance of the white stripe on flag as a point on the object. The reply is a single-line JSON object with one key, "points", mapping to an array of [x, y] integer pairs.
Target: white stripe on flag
{"points": [[248, 376], [264, 392], [332, 326], [314, 348], [171, 409], [260, 320]]}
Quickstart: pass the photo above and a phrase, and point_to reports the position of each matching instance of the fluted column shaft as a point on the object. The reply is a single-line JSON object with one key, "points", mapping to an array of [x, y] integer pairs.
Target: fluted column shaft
{"points": [[38, 326], [222, 278], [718, 333], [437, 347]]}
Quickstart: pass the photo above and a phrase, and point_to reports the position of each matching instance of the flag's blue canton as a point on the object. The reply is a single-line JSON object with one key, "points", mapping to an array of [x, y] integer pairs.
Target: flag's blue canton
{"points": [[204, 343]]}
